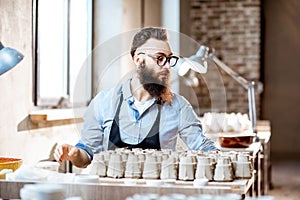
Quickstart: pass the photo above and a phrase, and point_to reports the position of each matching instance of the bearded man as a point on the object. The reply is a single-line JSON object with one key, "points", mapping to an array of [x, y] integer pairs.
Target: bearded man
{"points": [[142, 112]]}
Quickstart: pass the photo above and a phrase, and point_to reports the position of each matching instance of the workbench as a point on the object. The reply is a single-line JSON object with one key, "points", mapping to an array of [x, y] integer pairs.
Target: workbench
{"points": [[116, 188]]}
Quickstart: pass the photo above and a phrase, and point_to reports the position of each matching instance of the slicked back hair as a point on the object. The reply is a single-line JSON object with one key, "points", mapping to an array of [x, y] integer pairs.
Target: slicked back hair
{"points": [[145, 34]]}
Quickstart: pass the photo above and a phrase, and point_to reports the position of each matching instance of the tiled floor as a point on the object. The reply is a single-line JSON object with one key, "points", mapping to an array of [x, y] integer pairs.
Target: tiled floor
{"points": [[285, 180]]}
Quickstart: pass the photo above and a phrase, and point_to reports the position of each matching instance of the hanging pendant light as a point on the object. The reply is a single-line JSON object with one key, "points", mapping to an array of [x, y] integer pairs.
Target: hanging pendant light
{"points": [[9, 58]]}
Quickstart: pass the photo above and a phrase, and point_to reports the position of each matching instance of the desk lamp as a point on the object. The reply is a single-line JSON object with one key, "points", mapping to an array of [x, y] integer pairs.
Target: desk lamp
{"points": [[198, 63]]}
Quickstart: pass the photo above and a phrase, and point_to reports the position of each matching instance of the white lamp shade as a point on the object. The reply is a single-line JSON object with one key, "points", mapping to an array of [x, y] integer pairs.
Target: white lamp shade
{"points": [[193, 64]]}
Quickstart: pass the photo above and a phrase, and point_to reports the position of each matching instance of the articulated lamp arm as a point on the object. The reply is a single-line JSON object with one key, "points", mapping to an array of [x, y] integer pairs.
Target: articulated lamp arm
{"points": [[198, 63], [248, 85]]}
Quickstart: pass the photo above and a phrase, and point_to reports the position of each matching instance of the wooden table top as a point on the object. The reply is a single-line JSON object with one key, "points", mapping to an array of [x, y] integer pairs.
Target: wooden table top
{"points": [[116, 188]]}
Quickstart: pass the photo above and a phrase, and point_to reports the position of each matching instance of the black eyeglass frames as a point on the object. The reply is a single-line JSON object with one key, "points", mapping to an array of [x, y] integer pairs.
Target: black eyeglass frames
{"points": [[162, 59]]}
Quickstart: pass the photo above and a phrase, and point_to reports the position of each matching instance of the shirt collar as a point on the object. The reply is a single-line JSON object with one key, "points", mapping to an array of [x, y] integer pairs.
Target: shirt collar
{"points": [[126, 91]]}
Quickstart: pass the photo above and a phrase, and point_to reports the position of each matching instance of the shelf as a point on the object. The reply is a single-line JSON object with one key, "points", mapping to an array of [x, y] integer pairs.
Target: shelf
{"points": [[50, 118]]}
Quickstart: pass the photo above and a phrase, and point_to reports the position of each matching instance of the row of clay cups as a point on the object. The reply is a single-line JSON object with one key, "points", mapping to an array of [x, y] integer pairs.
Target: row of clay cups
{"points": [[105, 155], [133, 167], [151, 168], [131, 164], [205, 168]]}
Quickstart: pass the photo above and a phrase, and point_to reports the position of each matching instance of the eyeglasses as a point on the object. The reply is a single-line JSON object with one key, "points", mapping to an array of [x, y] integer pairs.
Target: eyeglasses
{"points": [[162, 59]]}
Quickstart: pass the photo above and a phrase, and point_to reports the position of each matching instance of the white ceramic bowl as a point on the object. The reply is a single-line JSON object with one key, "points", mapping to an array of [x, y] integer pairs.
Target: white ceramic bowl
{"points": [[43, 191]]}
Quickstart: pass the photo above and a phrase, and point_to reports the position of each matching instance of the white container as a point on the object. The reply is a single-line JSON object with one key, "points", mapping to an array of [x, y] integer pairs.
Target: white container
{"points": [[48, 165], [43, 192], [28, 192], [50, 192]]}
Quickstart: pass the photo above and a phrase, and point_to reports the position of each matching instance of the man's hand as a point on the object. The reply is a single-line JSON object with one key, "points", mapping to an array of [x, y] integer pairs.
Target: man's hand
{"points": [[66, 152], [77, 156]]}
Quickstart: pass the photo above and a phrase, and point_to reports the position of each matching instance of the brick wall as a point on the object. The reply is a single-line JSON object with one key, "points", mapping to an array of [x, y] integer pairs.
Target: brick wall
{"points": [[232, 28]]}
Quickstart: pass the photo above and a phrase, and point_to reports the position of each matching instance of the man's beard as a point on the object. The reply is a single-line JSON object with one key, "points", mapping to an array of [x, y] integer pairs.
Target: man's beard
{"points": [[151, 83]]}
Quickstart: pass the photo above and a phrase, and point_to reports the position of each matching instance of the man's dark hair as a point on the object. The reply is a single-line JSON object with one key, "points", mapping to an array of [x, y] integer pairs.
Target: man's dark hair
{"points": [[145, 34]]}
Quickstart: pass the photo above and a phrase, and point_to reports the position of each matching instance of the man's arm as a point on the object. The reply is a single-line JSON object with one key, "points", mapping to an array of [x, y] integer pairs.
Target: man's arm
{"points": [[190, 129]]}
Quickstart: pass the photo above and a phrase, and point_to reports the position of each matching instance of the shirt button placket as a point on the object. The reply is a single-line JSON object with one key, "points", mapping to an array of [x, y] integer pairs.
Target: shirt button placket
{"points": [[139, 130]]}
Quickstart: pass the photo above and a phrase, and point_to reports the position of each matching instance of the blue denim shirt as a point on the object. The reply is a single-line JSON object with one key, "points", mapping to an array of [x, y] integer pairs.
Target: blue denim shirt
{"points": [[176, 119]]}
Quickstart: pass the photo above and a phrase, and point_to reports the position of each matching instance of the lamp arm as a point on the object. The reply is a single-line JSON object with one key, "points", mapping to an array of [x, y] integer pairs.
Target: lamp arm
{"points": [[229, 71], [246, 84]]}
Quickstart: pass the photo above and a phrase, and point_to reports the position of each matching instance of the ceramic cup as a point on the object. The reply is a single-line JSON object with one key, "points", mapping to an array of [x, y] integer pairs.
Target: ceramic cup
{"points": [[133, 167], [115, 167], [223, 173], [204, 168], [151, 168], [223, 170], [169, 168], [186, 168], [243, 170]]}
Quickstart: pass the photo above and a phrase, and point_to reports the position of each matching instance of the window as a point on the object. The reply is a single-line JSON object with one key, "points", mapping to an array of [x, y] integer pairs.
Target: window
{"points": [[63, 44]]}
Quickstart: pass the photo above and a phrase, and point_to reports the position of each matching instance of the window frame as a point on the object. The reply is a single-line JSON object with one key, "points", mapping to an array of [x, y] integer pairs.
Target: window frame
{"points": [[65, 100]]}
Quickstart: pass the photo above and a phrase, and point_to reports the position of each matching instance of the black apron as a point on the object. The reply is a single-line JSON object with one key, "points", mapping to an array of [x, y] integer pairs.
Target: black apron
{"points": [[150, 142]]}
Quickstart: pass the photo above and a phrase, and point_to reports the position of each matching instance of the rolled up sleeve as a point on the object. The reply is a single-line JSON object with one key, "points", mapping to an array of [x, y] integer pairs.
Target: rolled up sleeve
{"points": [[190, 130]]}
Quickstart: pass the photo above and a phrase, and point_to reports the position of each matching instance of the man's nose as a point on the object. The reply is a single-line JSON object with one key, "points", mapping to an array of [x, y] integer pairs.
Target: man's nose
{"points": [[167, 65]]}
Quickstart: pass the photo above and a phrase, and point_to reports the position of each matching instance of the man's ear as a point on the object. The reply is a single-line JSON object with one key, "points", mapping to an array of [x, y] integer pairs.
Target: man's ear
{"points": [[138, 60]]}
